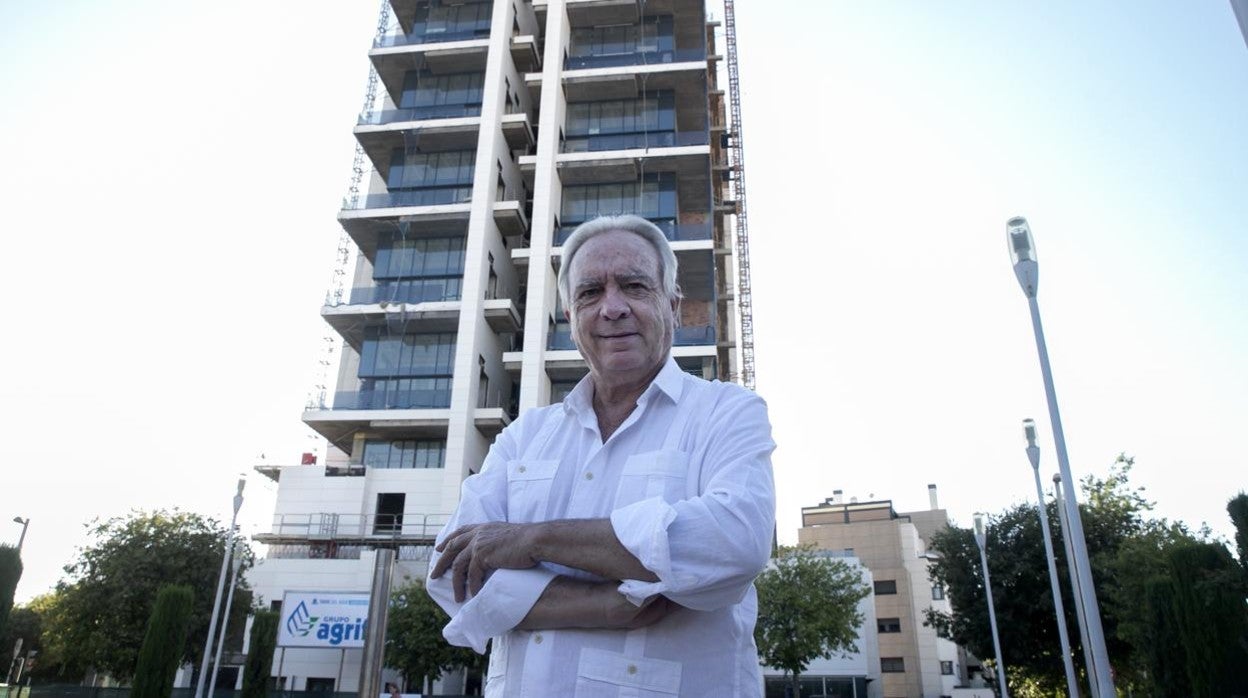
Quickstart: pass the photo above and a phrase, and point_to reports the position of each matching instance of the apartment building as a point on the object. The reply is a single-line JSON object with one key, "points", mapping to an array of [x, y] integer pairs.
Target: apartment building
{"points": [[913, 661], [491, 130]]}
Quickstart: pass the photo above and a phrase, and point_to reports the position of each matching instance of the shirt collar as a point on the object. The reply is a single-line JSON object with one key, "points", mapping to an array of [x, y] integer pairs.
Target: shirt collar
{"points": [[669, 381]]}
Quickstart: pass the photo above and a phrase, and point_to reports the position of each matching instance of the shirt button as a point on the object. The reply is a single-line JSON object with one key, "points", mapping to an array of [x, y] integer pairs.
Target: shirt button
{"points": [[632, 668], [520, 469], [537, 638], [589, 476]]}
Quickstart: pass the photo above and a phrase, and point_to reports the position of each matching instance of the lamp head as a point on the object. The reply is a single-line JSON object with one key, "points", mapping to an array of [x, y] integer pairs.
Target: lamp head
{"points": [[1023, 254], [18, 519], [979, 524], [1029, 431]]}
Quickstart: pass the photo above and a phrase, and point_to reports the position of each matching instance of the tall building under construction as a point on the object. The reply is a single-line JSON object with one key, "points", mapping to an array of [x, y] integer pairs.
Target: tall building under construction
{"points": [[490, 130]]}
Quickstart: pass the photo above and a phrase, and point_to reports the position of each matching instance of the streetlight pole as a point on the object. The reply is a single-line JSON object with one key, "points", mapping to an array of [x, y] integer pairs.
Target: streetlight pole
{"points": [[225, 620], [216, 603], [1080, 611], [24, 522], [992, 614], [1033, 455], [1023, 252]]}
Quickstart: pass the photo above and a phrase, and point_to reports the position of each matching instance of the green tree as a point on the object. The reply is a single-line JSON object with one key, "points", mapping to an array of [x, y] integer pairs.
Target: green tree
{"points": [[10, 573], [414, 642], [162, 644], [807, 608], [1210, 617], [260, 650], [102, 610], [1238, 509]]}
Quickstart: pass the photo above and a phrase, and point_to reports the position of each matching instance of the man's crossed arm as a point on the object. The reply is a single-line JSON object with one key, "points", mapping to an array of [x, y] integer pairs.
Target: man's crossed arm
{"points": [[472, 552]]}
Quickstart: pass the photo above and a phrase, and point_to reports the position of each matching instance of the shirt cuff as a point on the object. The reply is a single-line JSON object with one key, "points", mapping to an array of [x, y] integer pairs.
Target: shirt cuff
{"points": [[642, 529], [504, 601]]}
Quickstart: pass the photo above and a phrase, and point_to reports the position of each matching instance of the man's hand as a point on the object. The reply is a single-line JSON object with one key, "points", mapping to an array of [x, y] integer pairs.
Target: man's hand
{"points": [[473, 552], [620, 613]]}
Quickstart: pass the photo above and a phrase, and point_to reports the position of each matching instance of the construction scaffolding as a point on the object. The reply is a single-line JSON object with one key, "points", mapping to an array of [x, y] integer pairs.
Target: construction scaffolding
{"points": [[736, 156]]}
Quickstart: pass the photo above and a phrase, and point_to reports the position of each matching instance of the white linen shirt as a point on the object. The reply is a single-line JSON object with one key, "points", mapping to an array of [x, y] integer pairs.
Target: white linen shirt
{"points": [[687, 484]]}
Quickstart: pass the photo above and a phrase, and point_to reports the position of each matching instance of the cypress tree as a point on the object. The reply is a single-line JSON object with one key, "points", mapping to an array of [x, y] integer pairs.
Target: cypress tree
{"points": [[260, 654], [163, 644], [1209, 615]]}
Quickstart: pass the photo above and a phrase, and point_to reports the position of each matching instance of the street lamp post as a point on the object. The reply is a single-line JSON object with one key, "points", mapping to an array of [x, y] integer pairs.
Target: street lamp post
{"points": [[216, 603], [225, 620], [1080, 612], [992, 613], [1033, 455], [1023, 253], [24, 522]]}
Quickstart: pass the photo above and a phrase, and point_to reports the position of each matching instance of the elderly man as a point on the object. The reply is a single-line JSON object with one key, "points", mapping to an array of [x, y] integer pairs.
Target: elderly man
{"points": [[609, 543]]}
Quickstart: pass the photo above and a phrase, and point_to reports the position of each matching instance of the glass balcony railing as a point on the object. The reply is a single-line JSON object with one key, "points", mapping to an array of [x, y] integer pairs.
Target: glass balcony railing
{"points": [[674, 231], [415, 197], [561, 337], [422, 35], [636, 58], [409, 291], [628, 141], [438, 111], [393, 400]]}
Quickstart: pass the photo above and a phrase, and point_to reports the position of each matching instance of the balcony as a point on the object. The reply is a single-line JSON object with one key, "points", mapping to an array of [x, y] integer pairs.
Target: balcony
{"points": [[349, 528], [440, 58], [633, 141], [615, 60], [424, 35], [561, 338], [408, 291], [675, 232], [393, 400]]}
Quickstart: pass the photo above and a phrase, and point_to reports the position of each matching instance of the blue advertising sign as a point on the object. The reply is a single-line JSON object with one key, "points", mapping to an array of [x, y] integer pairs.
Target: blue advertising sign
{"points": [[333, 620]]}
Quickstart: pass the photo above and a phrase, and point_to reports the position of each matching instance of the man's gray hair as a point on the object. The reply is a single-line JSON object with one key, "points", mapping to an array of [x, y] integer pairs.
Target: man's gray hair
{"points": [[629, 224]]}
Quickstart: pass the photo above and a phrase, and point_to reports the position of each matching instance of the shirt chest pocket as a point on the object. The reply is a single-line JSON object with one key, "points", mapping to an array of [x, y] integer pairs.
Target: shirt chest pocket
{"points": [[603, 673], [655, 474], [528, 489]]}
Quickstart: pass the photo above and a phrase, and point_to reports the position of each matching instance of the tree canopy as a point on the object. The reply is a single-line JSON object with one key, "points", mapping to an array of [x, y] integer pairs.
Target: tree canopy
{"points": [[10, 573], [98, 616], [414, 642], [1133, 558], [807, 608]]}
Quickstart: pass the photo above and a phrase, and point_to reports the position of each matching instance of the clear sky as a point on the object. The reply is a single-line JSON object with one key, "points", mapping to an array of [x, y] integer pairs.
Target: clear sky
{"points": [[170, 175]]}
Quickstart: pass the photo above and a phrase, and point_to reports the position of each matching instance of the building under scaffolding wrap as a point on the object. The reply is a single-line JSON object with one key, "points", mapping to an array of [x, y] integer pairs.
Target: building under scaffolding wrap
{"points": [[490, 130]]}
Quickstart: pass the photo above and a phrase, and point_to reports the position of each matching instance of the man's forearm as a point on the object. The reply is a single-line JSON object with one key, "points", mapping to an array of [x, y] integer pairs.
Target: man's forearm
{"points": [[589, 545], [571, 603]]}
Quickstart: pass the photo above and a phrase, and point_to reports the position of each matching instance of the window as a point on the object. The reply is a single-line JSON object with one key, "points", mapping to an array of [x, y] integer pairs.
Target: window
{"points": [[455, 94], [892, 665], [946, 668], [405, 371], [653, 197], [389, 518], [275, 606], [419, 270], [428, 179], [938, 592], [648, 36], [885, 586], [440, 21], [888, 625], [404, 453], [649, 120]]}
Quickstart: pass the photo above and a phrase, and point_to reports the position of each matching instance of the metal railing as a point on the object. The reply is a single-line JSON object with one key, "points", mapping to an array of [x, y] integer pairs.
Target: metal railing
{"points": [[408, 291], [332, 526], [561, 337]]}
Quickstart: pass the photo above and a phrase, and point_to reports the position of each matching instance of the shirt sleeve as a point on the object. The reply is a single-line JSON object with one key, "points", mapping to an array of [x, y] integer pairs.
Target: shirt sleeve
{"points": [[508, 595], [707, 550]]}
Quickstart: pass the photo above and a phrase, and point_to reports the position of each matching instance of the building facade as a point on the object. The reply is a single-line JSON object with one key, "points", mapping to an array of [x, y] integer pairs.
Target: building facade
{"points": [[492, 129], [913, 661]]}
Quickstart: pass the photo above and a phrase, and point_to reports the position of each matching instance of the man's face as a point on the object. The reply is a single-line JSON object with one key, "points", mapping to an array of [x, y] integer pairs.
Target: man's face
{"points": [[622, 320]]}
